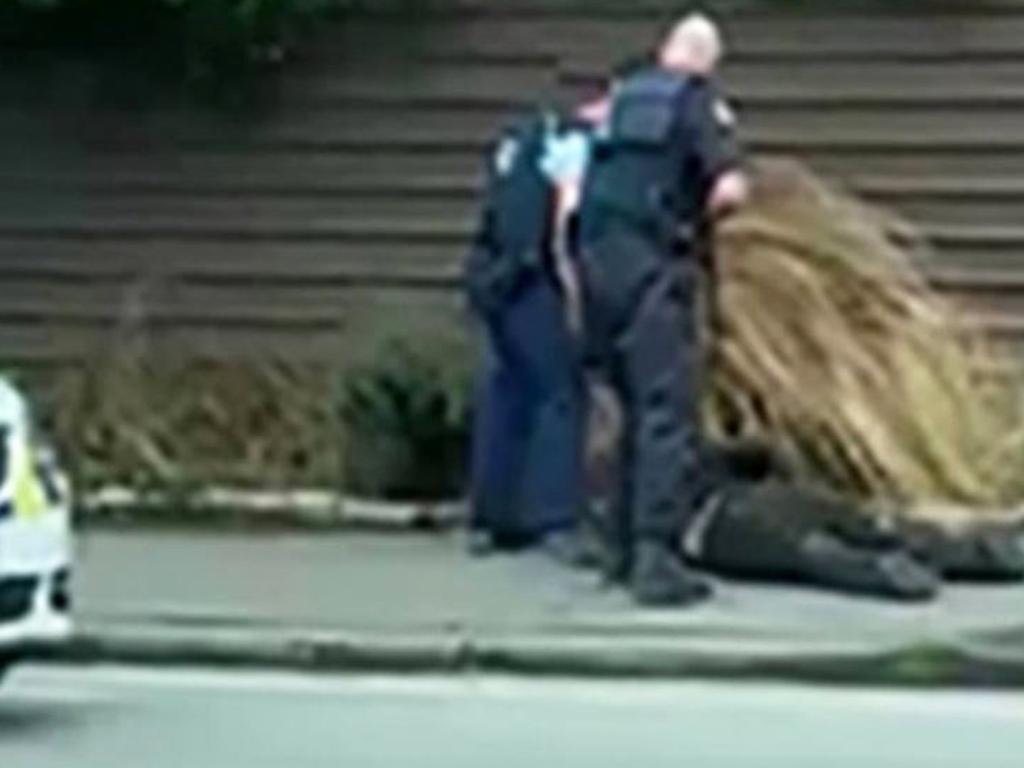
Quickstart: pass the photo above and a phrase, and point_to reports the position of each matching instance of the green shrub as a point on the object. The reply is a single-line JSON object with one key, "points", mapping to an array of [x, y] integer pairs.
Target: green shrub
{"points": [[405, 415], [386, 418], [214, 46]]}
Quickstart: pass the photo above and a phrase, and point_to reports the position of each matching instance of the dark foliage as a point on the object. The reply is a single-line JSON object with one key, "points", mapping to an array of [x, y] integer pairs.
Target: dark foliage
{"points": [[215, 47]]}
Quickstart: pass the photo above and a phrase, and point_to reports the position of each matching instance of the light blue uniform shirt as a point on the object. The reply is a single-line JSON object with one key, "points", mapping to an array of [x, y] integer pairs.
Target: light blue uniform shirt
{"points": [[566, 156]]}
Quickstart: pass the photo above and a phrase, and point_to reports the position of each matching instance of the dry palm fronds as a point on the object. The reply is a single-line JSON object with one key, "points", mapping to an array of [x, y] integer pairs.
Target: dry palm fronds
{"points": [[168, 424], [832, 347]]}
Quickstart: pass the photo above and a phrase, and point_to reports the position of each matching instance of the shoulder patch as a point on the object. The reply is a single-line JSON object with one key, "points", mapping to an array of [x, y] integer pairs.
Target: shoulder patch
{"points": [[505, 155], [724, 114]]}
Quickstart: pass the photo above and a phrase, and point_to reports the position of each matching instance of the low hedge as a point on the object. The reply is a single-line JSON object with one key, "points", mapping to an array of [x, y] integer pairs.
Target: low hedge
{"points": [[389, 421]]}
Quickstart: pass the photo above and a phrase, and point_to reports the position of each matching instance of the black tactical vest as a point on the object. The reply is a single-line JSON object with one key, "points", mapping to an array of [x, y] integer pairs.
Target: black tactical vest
{"points": [[520, 196], [519, 199], [641, 155]]}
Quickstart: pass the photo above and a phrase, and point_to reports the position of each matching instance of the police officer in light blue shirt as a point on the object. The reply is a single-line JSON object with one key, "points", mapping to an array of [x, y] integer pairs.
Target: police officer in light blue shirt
{"points": [[526, 482]]}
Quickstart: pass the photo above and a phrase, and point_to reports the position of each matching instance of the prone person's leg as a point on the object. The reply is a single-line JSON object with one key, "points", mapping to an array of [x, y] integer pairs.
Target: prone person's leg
{"points": [[778, 531], [618, 522], [603, 311]]}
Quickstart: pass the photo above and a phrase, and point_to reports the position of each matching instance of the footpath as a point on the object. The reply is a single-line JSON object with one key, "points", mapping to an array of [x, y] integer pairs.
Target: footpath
{"points": [[405, 602]]}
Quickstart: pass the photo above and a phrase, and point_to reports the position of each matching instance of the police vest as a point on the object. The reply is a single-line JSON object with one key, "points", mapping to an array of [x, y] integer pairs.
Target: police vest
{"points": [[519, 193], [641, 154], [520, 202]]}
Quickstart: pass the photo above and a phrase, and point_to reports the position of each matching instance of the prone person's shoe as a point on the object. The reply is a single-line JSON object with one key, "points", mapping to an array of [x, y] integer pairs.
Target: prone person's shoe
{"points": [[991, 554], [1002, 554], [894, 574], [660, 579]]}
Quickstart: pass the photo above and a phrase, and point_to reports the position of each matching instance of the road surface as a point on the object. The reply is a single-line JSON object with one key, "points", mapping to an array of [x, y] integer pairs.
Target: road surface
{"points": [[139, 718]]}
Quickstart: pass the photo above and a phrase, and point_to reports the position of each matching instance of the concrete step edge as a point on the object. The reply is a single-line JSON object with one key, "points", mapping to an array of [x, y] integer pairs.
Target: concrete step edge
{"points": [[323, 508], [942, 663]]}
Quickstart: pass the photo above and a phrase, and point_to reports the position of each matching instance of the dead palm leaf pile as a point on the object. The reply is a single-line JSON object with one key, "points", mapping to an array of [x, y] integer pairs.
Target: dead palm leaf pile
{"points": [[831, 346]]}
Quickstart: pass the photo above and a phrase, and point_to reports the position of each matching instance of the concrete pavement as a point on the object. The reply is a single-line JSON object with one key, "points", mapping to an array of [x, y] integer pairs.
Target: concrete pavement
{"points": [[391, 602], [112, 717]]}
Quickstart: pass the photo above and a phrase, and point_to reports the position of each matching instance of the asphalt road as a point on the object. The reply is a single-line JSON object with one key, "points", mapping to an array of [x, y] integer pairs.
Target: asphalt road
{"points": [[137, 718]]}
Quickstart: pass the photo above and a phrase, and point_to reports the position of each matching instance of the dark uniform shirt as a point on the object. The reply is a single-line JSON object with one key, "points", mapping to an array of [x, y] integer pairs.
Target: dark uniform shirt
{"points": [[711, 125], [670, 133]]}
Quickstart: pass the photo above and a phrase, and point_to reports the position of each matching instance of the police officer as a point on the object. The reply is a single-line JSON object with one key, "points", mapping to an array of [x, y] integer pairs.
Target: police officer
{"points": [[664, 160], [526, 467]]}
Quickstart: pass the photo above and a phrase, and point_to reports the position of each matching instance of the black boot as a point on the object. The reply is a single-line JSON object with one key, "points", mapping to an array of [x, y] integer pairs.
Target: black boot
{"points": [[659, 578]]}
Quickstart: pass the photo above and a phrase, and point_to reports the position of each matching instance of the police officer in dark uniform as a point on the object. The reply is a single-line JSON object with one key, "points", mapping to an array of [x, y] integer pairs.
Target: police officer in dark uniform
{"points": [[526, 468], [664, 160]]}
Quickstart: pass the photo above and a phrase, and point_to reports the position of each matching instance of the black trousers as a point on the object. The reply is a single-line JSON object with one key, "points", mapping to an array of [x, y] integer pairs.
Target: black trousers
{"points": [[642, 336]]}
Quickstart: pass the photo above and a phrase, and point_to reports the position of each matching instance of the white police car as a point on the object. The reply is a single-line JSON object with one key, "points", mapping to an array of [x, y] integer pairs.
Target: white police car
{"points": [[35, 537]]}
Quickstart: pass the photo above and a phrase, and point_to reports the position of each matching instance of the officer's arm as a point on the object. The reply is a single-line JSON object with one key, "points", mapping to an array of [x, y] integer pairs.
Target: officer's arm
{"points": [[717, 150]]}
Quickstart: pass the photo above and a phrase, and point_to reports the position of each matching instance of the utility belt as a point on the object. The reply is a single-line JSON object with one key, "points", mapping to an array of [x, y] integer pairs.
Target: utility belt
{"points": [[494, 280]]}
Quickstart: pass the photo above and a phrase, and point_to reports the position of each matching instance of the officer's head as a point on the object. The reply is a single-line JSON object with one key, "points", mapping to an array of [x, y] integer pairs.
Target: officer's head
{"points": [[694, 46]]}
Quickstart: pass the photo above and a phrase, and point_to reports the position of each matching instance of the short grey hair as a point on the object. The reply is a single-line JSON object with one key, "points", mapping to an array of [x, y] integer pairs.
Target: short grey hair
{"points": [[694, 41]]}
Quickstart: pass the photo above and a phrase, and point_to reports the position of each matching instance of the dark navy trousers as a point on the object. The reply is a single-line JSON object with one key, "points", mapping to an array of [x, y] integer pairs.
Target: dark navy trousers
{"points": [[642, 330], [527, 462]]}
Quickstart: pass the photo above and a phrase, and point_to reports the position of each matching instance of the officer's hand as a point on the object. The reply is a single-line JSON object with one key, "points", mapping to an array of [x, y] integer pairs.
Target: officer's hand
{"points": [[730, 191]]}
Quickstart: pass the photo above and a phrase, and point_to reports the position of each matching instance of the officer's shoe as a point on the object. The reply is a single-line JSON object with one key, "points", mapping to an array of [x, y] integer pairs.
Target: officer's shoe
{"points": [[479, 543], [572, 548], [660, 579], [483, 543], [615, 566], [893, 574]]}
